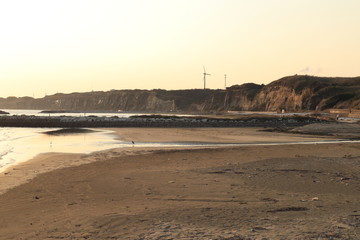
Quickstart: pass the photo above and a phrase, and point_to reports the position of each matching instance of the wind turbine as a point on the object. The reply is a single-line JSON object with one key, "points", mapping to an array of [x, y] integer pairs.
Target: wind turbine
{"points": [[205, 74]]}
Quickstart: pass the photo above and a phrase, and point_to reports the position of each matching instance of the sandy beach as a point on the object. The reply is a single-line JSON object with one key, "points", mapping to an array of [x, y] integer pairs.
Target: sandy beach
{"points": [[239, 192]]}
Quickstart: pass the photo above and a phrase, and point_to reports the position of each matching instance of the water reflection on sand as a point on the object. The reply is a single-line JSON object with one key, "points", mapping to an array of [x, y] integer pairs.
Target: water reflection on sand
{"points": [[21, 144]]}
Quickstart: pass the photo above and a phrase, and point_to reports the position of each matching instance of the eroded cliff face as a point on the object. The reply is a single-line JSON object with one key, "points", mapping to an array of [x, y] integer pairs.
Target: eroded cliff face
{"points": [[244, 98], [294, 93], [122, 100], [302, 93], [276, 98]]}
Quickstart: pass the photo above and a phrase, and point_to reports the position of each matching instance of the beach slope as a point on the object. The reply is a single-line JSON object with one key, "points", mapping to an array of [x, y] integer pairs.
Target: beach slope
{"points": [[252, 192]]}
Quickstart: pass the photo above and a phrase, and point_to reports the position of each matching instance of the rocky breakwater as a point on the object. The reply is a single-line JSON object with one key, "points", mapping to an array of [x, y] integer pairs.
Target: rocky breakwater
{"points": [[155, 121]]}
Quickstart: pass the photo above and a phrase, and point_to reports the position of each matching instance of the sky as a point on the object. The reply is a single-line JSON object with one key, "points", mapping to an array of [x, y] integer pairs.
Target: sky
{"points": [[49, 46]]}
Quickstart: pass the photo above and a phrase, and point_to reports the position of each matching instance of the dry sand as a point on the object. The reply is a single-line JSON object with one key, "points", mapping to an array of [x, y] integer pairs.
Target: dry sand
{"points": [[253, 192]]}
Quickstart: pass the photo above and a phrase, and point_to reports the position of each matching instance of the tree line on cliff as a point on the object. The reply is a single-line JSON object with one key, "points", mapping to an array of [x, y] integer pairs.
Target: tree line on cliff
{"points": [[292, 93]]}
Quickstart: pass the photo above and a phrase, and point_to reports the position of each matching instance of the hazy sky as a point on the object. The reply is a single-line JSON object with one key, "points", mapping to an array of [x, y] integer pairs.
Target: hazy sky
{"points": [[82, 45]]}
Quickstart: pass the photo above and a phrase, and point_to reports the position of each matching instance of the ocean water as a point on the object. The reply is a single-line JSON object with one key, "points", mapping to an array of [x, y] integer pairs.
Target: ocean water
{"points": [[18, 145], [80, 114], [21, 144], [70, 114]]}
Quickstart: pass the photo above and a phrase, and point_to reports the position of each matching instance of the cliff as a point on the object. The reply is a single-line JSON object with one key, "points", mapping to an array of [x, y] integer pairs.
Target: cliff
{"points": [[313, 93], [293, 93]]}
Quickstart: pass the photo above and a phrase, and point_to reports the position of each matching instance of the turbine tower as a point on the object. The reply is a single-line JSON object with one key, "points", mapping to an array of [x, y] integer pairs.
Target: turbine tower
{"points": [[205, 74]]}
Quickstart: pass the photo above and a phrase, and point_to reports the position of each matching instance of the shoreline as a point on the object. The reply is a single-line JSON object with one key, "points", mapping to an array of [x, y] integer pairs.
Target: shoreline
{"points": [[21, 144], [280, 191], [43, 162], [193, 194]]}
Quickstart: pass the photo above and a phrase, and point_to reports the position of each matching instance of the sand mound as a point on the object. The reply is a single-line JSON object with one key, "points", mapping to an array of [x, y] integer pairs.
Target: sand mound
{"points": [[66, 131], [333, 129]]}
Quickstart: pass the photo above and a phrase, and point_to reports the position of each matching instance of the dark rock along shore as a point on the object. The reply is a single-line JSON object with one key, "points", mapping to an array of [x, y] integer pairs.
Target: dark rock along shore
{"points": [[154, 121]]}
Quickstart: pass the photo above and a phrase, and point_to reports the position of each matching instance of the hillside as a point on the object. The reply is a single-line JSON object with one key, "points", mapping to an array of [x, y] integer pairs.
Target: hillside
{"points": [[292, 93]]}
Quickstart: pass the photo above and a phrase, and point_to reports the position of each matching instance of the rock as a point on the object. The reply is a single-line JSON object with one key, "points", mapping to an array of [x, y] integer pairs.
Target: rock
{"points": [[3, 112]]}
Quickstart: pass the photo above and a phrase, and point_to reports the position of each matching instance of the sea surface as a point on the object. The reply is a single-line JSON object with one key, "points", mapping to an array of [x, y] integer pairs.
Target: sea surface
{"points": [[18, 145], [70, 114], [21, 144], [28, 112]]}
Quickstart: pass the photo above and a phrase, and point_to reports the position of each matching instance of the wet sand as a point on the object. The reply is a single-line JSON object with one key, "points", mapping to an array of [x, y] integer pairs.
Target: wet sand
{"points": [[21, 144], [252, 192], [211, 135]]}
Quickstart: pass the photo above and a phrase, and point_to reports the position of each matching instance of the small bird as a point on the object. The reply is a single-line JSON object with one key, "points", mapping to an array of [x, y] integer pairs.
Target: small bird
{"points": [[132, 142]]}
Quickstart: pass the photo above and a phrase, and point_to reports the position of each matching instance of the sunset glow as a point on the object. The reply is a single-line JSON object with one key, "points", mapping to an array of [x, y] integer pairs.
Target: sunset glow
{"points": [[84, 45]]}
